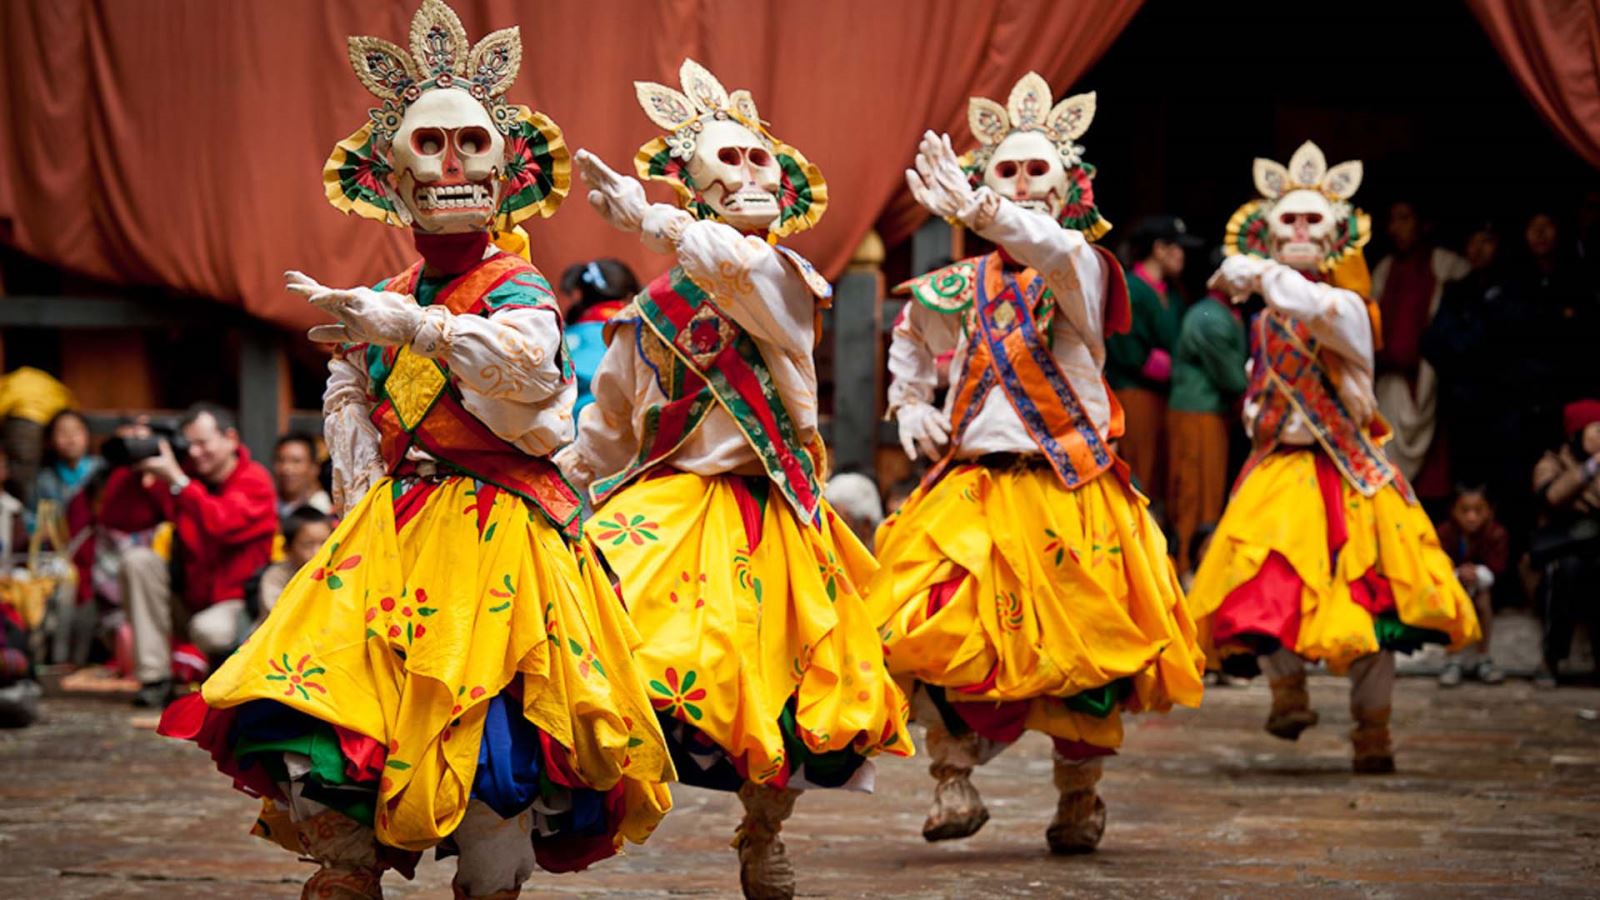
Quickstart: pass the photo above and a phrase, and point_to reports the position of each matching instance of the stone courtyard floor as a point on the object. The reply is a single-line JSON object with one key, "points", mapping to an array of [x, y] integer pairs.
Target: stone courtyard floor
{"points": [[1498, 795]]}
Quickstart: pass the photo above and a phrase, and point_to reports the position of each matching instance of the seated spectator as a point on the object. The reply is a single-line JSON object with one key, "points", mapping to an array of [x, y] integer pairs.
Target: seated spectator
{"points": [[305, 530], [1480, 547], [1566, 547], [29, 399], [591, 293], [855, 498], [13, 527], [220, 503], [65, 475], [295, 474]]}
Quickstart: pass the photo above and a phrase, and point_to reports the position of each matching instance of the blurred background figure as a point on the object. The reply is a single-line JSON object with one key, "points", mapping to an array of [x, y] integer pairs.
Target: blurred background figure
{"points": [[591, 293], [305, 530], [1139, 363], [29, 399], [296, 475], [1481, 550], [1566, 547], [64, 491], [855, 497], [1208, 377], [1408, 285]]}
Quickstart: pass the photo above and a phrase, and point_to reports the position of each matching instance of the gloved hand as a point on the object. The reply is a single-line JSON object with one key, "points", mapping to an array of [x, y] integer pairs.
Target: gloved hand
{"points": [[365, 316], [922, 427], [1240, 276]]}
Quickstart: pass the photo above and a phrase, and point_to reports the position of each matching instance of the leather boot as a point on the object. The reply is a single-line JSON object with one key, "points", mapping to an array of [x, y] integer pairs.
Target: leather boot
{"points": [[1374, 755], [765, 872], [1080, 819], [1291, 707], [957, 811]]}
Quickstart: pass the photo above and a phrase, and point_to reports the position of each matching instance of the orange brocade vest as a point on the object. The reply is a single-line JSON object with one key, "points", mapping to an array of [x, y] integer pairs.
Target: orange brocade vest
{"points": [[1290, 376], [1008, 313], [418, 401]]}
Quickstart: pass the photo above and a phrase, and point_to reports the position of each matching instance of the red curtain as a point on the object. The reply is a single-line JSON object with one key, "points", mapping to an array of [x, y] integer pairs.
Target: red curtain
{"points": [[1553, 49], [180, 142]]}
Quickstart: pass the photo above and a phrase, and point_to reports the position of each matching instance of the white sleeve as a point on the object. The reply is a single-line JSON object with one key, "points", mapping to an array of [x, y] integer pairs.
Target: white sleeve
{"points": [[921, 335], [353, 441], [513, 355], [606, 442], [1066, 261], [1336, 317], [749, 279]]}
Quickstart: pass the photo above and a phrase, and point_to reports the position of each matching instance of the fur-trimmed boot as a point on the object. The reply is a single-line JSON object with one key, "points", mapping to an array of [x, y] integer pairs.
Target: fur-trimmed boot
{"points": [[1291, 707], [1080, 819], [1374, 755], [348, 854], [765, 872], [957, 811]]}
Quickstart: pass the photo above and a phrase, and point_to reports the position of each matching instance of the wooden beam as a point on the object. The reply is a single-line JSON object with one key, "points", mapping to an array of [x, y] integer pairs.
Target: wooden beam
{"points": [[261, 364], [114, 312], [857, 357]]}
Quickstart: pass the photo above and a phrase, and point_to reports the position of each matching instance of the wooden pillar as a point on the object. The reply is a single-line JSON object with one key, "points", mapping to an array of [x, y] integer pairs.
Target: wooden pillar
{"points": [[262, 368], [858, 357]]}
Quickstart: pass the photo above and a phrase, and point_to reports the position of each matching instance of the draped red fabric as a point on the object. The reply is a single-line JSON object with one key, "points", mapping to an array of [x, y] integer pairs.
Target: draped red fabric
{"points": [[181, 142], [1552, 47]]}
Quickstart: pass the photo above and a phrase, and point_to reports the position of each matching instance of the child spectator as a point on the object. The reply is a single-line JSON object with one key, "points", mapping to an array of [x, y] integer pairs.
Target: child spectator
{"points": [[305, 530], [295, 474], [65, 475], [591, 293], [1480, 547]]}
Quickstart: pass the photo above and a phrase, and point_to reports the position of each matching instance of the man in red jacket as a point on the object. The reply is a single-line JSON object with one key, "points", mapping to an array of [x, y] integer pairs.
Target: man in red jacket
{"points": [[221, 504]]}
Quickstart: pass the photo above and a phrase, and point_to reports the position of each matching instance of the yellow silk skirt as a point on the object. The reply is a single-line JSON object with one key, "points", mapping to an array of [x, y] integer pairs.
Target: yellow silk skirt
{"points": [[405, 635], [1279, 508], [734, 634], [1046, 593]]}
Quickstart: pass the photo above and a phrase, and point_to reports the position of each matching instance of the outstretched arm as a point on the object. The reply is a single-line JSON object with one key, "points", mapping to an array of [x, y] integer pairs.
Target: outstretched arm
{"points": [[1062, 256]]}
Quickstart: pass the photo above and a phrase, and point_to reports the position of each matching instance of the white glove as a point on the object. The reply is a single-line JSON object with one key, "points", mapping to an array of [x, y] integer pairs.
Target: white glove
{"points": [[619, 199], [1240, 276], [365, 316], [662, 227], [938, 182], [922, 427], [573, 467]]}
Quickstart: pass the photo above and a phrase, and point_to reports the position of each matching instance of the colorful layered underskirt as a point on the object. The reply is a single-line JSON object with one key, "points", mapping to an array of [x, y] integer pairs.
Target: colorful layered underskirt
{"points": [[1021, 605], [447, 645], [758, 651], [1305, 561]]}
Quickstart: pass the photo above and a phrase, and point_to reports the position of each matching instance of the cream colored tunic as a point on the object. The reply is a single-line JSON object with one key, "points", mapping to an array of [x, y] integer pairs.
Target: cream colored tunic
{"points": [[1074, 274], [765, 292]]}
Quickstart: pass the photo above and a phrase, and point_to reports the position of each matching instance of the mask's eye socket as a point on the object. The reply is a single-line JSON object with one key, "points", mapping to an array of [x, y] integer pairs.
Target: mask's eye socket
{"points": [[729, 155], [428, 141], [472, 141], [759, 157], [1038, 168], [1006, 168], [1313, 218]]}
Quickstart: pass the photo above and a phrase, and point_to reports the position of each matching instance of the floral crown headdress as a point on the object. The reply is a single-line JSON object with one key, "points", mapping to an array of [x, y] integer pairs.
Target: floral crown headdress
{"points": [[1249, 229], [803, 197], [1029, 109], [538, 169]]}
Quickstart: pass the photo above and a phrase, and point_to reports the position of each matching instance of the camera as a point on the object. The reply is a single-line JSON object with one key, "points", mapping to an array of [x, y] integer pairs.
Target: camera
{"points": [[125, 451]]}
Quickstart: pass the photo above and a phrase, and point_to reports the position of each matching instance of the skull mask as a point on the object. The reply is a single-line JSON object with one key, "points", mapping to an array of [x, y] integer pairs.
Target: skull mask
{"points": [[737, 175], [447, 158], [1026, 169], [1308, 199]]}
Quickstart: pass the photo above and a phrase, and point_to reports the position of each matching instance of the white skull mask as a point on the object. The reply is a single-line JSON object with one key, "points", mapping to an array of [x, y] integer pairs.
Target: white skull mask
{"points": [[1308, 198], [1026, 169], [1303, 223], [447, 158], [737, 175]]}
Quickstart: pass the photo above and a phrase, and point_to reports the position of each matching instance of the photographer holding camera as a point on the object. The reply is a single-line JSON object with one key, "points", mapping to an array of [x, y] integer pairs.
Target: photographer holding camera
{"points": [[222, 506]]}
